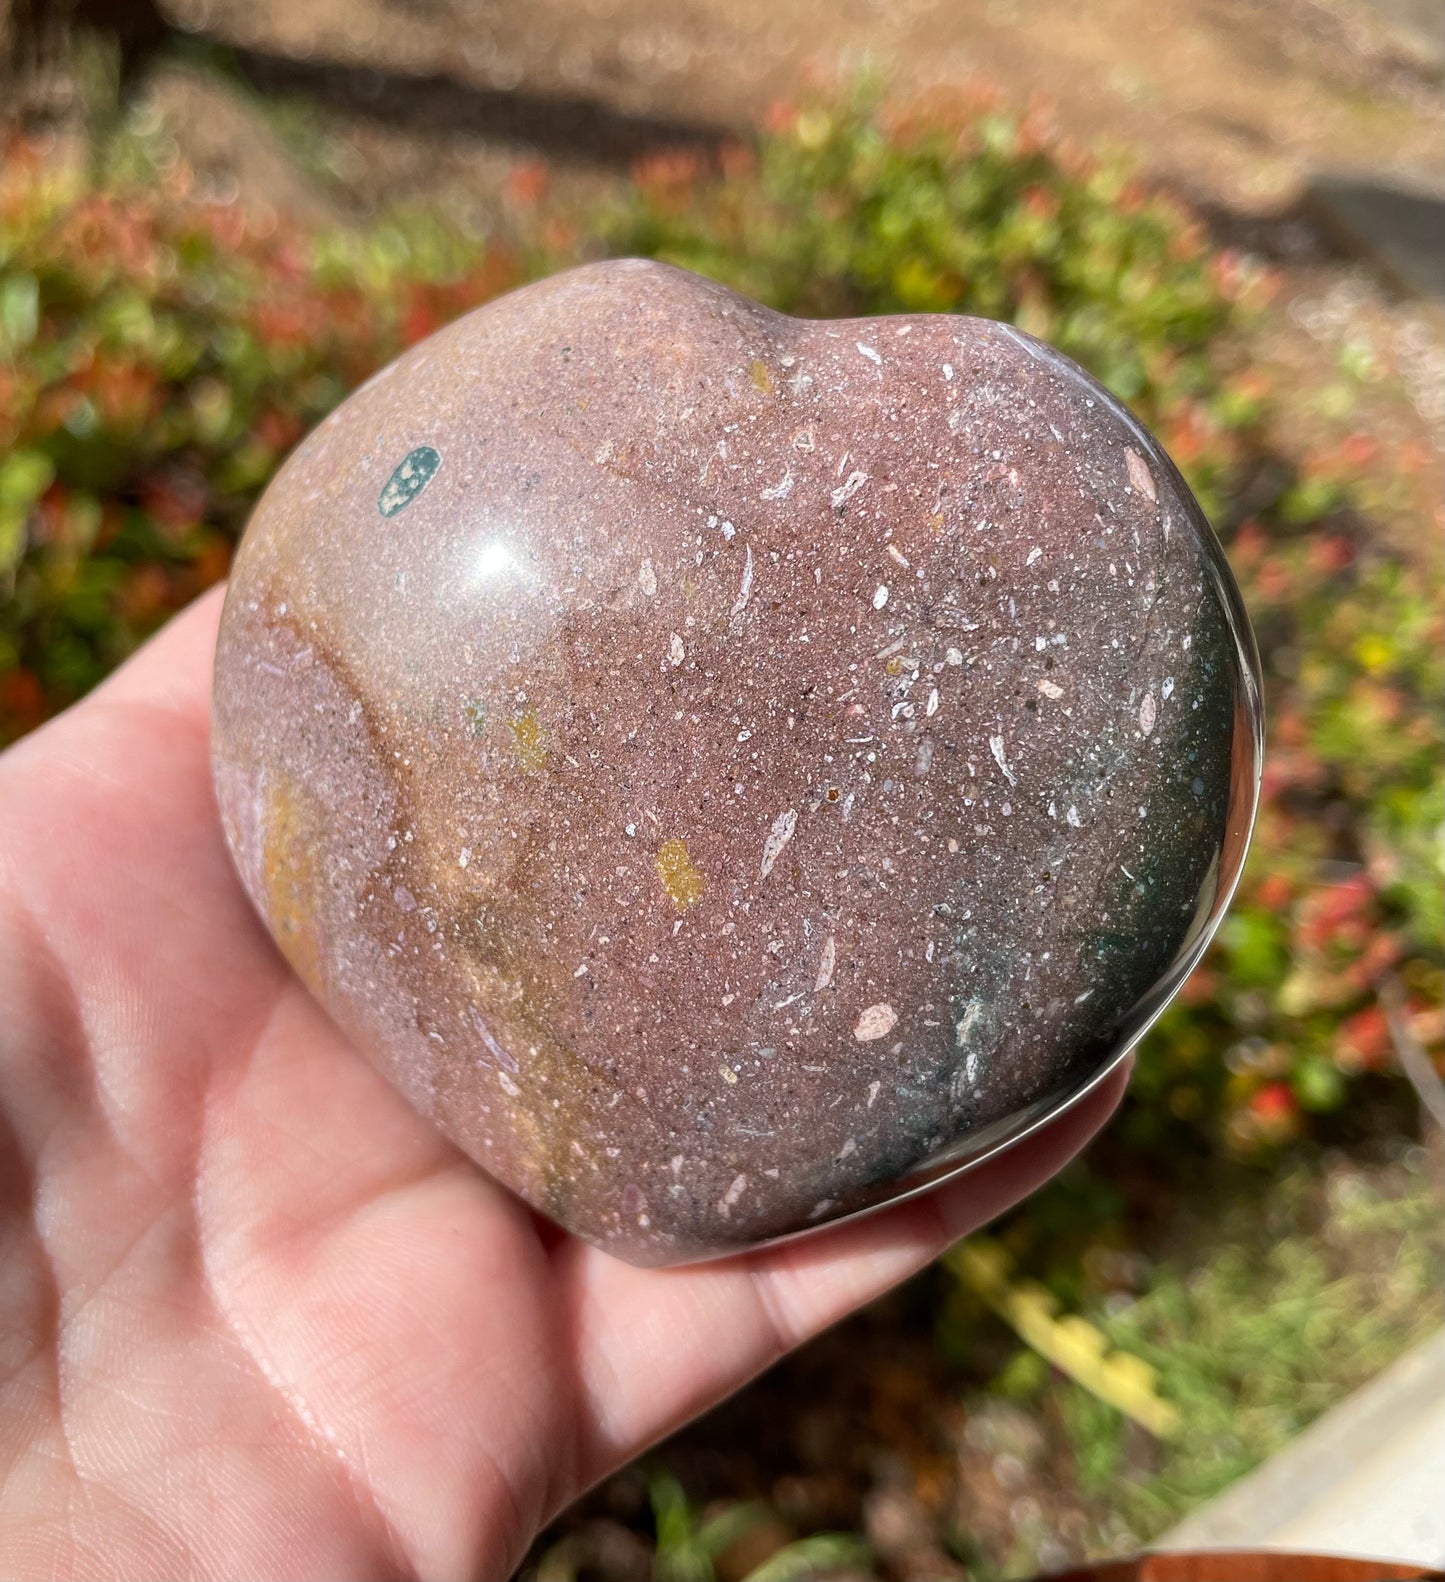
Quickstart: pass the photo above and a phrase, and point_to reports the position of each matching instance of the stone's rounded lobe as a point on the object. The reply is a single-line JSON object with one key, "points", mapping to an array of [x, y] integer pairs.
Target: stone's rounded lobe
{"points": [[729, 771]]}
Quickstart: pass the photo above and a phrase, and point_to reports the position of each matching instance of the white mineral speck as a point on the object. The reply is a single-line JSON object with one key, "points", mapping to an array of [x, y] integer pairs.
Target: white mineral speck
{"points": [[876, 1021], [733, 1193], [1139, 475], [1148, 713], [869, 353], [826, 962], [851, 485], [647, 578], [880, 596], [963, 1029], [995, 746], [675, 651], [778, 837], [746, 589]]}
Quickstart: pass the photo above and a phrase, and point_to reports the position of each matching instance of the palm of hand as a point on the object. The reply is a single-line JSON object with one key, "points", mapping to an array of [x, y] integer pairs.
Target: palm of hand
{"points": [[256, 1319]]}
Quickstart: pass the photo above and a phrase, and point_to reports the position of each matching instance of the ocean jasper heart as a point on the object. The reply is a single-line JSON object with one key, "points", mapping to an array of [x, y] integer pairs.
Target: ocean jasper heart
{"points": [[730, 771]]}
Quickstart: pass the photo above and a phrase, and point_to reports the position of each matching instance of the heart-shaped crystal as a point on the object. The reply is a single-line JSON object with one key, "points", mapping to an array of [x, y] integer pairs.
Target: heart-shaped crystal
{"points": [[730, 771]]}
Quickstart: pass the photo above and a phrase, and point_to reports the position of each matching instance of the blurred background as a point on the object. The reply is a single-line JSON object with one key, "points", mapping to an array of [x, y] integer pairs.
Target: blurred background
{"points": [[218, 216]]}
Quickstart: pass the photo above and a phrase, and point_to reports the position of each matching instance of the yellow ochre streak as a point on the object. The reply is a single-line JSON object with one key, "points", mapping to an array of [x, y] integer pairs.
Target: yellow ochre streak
{"points": [[291, 867], [683, 883], [530, 748]]}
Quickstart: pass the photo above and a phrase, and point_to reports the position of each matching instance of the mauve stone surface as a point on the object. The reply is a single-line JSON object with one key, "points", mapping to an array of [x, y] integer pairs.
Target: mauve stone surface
{"points": [[729, 771]]}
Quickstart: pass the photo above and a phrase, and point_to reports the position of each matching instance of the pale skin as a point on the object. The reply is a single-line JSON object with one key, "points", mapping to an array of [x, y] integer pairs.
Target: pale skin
{"points": [[256, 1318]]}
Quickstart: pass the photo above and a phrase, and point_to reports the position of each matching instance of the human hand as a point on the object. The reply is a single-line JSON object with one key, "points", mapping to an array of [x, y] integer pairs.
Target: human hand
{"points": [[256, 1318]]}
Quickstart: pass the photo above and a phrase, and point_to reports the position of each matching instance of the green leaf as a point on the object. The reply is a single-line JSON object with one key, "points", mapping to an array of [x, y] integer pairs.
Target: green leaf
{"points": [[723, 1530], [19, 312], [821, 1555], [24, 476], [1318, 1084]]}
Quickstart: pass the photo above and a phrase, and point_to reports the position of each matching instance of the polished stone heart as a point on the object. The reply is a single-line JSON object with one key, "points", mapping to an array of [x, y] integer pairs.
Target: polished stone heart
{"points": [[730, 771]]}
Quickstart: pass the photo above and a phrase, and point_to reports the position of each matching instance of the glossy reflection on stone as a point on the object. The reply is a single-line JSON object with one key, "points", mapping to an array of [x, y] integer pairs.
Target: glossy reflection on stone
{"points": [[728, 771]]}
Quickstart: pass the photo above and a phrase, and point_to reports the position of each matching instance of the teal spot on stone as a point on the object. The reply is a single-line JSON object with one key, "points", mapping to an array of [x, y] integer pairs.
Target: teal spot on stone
{"points": [[413, 474]]}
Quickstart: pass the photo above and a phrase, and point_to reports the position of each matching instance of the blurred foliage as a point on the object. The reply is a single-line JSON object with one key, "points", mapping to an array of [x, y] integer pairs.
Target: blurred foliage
{"points": [[160, 354], [693, 1546], [1261, 1339]]}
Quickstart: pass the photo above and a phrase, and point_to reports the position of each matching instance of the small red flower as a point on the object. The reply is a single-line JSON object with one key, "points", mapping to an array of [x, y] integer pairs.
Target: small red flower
{"points": [[559, 235], [1273, 1103], [144, 595], [1201, 987], [1364, 1040], [1275, 892], [1230, 274], [528, 182], [1248, 544], [1040, 202], [1331, 553], [420, 316], [669, 171], [780, 117], [1358, 451], [277, 431]]}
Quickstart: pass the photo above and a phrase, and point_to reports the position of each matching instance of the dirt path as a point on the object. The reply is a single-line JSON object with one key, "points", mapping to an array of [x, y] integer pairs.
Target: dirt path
{"points": [[1234, 100]]}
